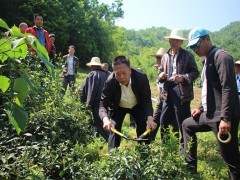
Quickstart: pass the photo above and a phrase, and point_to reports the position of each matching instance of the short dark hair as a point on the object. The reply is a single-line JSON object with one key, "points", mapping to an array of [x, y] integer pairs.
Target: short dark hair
{"points": [[120, 60], [37, 14]]}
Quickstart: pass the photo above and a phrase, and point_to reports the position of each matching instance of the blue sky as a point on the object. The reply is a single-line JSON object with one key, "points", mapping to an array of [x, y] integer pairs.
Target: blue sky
{"points": [[178, 14]]}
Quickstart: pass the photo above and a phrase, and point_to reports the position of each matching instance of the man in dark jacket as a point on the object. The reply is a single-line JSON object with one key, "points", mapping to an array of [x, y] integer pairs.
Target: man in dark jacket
{"points": [[91, 91], [178, 70], [127, 90], [219, 108]]}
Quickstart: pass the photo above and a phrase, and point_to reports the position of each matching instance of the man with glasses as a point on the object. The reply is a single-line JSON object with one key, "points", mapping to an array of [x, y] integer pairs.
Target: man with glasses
{"points": [[177, 71], [219, 108]]}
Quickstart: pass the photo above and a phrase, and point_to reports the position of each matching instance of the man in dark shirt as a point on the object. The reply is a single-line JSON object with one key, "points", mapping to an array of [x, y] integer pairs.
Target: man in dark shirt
{"points": [[91, 91], [219, 108]]}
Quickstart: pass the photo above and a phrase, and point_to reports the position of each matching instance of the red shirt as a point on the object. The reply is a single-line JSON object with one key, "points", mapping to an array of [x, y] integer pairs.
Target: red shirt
{"points": [[33, 31]]}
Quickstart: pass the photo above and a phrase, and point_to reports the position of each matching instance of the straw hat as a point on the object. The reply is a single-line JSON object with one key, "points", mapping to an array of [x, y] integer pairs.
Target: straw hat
{"points": [[237, 62], [176, 34], [95, 61], [160, 52]]}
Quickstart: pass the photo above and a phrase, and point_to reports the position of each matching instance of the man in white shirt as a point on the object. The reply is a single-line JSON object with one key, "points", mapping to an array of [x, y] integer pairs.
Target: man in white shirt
{"points": [[126, 90], [69, 70]]}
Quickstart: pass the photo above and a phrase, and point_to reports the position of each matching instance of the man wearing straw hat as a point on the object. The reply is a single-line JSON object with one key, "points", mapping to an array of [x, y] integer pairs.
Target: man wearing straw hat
{"points": [[178, 70], [92, 90], [219, 107], [158, 109]]}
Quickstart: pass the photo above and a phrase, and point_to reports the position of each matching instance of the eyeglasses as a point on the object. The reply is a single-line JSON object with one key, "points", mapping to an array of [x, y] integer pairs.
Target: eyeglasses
{"points": [[197, 45]]}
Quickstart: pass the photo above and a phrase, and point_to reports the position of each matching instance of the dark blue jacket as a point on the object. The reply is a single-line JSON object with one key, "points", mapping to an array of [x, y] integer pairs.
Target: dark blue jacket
{"points": [[92, 87]]}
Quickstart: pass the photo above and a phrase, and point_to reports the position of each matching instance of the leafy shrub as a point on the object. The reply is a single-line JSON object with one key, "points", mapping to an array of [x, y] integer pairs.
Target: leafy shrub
{"points": [[55, 129]]}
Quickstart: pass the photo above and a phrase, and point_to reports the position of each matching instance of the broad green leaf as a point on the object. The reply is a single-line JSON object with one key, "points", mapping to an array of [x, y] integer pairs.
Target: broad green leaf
{"points": [[24, 50], [16, 32], [41, 52], [19, 48], [4, 83], [21, 88], [3, 57], [17, 116], [30, 38], [32, 85], [18, 102], [5, 49], [3, 24], [17, 42], [43, 55]]}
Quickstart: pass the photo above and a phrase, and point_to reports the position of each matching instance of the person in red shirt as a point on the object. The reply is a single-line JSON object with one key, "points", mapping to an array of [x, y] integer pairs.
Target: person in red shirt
{"points": [[40, 33]]}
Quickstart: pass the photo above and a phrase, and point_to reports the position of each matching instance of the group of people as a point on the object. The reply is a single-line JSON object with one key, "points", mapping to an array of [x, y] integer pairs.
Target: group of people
{"points": [[127, 90], [110, 96], [70, 61]]}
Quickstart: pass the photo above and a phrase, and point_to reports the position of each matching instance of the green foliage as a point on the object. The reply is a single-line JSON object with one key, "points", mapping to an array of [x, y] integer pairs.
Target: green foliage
{"points": [[86, 24], [15, 83], [57, 133]]}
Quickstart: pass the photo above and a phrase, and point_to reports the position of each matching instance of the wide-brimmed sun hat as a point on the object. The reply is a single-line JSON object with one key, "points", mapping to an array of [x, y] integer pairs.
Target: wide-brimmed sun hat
{"points": [[160, 52], [176, 34], [237, 62], [195, 34], [95, 61]]}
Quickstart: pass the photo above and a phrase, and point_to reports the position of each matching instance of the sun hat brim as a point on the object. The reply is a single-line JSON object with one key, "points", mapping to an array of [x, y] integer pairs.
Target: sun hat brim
{"points": [[175, 37]]}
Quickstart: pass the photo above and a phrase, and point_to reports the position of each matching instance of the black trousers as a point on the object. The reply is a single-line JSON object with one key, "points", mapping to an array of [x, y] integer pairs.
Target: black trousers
{"points": [[174, 106], [98, 123], [229, 151], [69, 79], [117, 119], [164, 126]]}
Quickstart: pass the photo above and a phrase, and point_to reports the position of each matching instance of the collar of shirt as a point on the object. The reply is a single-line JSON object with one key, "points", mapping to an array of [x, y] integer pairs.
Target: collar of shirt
{"points": [[35, 27], [128, 98], [171, 54], [238, 76], [130, 82]]}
